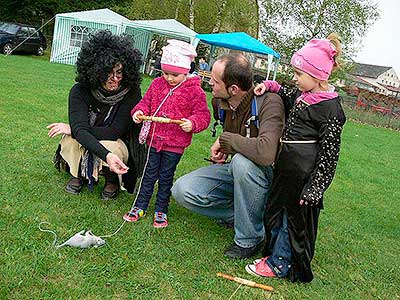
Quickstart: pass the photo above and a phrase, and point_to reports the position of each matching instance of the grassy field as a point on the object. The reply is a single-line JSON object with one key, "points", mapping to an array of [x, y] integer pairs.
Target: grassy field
{"points": [[358, 249]]}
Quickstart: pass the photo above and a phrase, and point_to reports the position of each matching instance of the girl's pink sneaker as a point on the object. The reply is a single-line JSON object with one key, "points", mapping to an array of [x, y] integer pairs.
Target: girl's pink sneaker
{"points": [[160, 220], [134, 215], [260, 268]]}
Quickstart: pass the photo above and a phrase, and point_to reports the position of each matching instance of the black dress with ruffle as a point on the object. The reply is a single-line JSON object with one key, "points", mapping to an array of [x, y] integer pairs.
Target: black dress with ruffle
{"points": [[304, 171]]}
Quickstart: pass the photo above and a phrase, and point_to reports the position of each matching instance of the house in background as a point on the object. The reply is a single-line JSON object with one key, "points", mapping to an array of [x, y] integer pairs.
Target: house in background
{"points": [[379, 79]]}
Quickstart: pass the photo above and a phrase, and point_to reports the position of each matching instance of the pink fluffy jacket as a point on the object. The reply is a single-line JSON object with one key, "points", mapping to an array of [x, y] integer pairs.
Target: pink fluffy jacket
{"points": [[187, 101]]}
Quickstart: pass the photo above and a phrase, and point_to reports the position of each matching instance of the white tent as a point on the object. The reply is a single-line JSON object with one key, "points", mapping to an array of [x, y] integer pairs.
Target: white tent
{"points": [[72, 29], [168, 27], [143, 31]]}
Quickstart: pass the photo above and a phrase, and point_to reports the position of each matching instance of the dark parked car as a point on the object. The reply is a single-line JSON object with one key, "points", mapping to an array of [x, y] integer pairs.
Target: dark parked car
{"points": [[11, 35]]}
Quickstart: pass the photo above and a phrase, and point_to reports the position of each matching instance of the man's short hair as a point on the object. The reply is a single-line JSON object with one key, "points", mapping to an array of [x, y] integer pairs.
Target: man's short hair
{"points": [[237, 71]]}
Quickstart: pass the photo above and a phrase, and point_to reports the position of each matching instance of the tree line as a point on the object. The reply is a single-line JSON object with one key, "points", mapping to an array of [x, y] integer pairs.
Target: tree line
{"points": [[283, 25], [203, 16]]}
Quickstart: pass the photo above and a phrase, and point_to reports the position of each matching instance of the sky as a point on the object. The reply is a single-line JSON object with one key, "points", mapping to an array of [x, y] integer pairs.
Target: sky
{"points": [[380, 45]]}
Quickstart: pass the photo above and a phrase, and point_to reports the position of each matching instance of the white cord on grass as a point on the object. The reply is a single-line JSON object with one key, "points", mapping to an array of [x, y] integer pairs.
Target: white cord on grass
{"points": [[110, 235], [235, 291], [48, 230]]}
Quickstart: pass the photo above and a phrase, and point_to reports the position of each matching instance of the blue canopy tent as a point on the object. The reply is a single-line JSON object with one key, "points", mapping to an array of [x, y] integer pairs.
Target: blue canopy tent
{"points": [[241, 41]]}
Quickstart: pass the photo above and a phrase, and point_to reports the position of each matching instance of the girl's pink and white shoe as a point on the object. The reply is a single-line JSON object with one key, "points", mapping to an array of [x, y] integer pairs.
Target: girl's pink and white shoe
{"points": [[260, 268]]}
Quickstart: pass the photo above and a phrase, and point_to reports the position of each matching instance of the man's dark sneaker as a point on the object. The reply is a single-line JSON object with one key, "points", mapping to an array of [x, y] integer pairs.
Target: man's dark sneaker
{"points": [[235, 251], [74, 186], [225, 224]]}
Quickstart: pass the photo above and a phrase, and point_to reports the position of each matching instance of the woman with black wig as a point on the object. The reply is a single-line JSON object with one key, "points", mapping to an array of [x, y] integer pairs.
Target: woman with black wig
{"points": [[101, 138]]}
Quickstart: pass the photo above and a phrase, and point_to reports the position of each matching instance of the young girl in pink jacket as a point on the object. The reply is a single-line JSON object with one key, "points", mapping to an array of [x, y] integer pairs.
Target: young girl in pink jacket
{"points": [[175, 95]]}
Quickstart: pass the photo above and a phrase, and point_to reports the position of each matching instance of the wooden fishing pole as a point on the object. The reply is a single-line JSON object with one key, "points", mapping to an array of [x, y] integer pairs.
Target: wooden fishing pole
{"points": [[160, 119], [246, 282]]}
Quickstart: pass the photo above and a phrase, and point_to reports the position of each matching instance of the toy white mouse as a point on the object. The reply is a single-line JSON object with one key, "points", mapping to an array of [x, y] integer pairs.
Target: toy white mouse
{"points": [[78, 240], [81, 240]]}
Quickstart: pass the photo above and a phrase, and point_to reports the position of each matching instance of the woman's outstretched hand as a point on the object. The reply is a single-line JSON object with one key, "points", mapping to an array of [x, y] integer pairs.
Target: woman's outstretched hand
{"points": [[115, 164], [58, 128]]}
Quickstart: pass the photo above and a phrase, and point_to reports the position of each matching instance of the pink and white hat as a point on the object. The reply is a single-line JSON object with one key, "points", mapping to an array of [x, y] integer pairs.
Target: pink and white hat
{"points": [[316, 58], [177, 56]]}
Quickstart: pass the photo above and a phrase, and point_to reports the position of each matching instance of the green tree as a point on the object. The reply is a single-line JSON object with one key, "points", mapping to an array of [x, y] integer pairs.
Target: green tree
{"points": [[39, 12], [36, 12], [205, 16], [287, 25], [24, 11], [147, 9], [241, 16]]}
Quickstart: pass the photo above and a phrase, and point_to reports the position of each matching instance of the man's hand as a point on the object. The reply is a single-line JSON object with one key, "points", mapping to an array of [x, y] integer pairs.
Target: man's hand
{"points": [[136, 115], [216, 155], [58, 128], [115, 164], [187, 125]]}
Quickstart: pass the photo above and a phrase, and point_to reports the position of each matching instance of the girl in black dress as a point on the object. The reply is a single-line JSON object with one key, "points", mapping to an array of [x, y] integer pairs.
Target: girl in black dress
{"points": [[306, 163]]}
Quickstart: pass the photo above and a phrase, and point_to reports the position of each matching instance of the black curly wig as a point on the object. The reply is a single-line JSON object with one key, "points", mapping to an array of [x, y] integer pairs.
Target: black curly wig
{"points": [[101, 53]]}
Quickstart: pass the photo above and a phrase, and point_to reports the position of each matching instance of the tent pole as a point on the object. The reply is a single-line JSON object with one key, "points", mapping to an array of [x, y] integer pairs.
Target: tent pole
{"points": [[270, 60], [195, 42], [275, 68], [211, 57]]}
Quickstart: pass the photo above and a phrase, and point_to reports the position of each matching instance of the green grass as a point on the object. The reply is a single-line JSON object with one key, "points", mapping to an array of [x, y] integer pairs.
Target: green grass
{"points": [[357, 254]]}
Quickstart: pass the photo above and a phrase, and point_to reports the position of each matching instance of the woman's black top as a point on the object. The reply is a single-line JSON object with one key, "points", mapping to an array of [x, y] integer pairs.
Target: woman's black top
{"points": [[82, 102]]}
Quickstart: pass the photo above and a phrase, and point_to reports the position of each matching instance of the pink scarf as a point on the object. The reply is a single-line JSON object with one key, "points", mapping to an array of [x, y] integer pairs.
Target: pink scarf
{"points": [[315, 98]]}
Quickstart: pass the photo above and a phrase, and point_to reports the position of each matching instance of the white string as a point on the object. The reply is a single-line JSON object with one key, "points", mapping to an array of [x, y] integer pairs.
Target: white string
{"points": [[235, 291], [36, 30], [110, 235], [48, 230]]}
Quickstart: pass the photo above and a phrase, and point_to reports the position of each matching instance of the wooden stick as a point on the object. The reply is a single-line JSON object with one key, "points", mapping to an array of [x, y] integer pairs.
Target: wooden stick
{"points": [[160, 120], [246, 282]]}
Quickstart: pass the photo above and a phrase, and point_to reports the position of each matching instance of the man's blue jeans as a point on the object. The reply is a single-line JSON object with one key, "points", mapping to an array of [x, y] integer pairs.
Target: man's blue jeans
{"points": [[235, 192], [279, 260]]}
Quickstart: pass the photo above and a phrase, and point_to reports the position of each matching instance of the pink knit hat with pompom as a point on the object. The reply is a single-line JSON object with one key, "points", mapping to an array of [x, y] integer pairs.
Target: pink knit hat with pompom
{"points": [[177, 56], [316, 58]]}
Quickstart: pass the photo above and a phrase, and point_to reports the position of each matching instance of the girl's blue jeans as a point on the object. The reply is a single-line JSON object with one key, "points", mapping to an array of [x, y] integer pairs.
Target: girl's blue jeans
{"points": [[161, 166], [279, 246]]}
